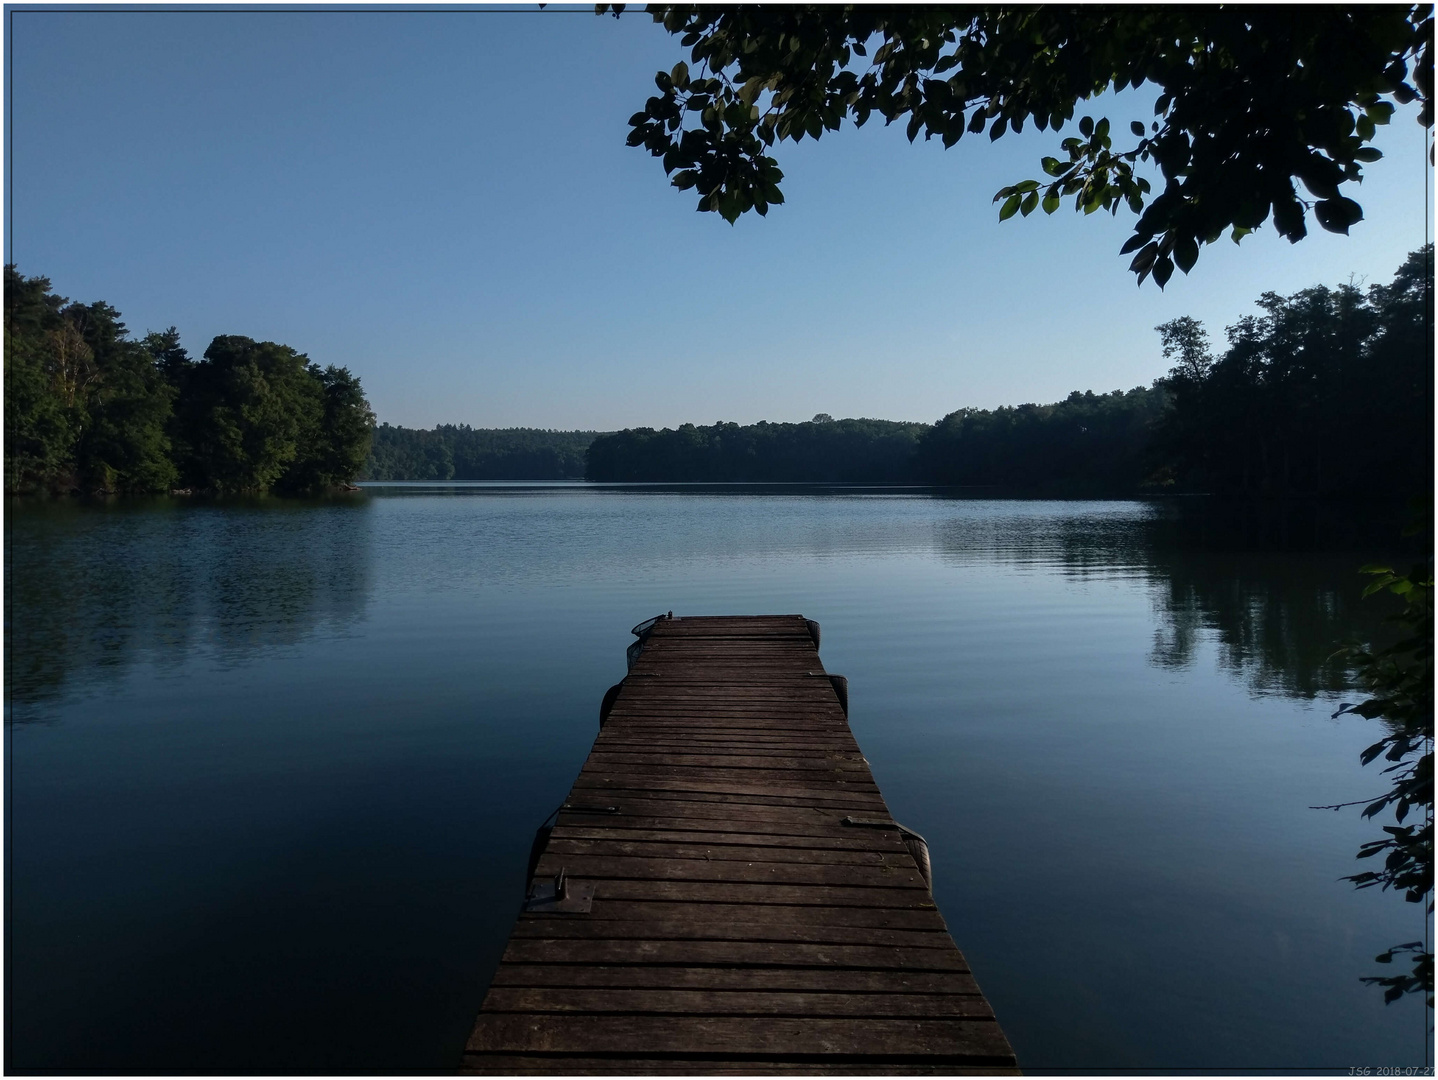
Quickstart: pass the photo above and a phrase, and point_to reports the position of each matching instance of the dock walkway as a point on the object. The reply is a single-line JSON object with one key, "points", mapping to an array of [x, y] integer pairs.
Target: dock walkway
{"points": [[736, 897]]}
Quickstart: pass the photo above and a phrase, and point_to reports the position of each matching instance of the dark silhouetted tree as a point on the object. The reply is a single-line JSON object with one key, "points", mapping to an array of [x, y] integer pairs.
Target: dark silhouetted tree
{"points": [[1328, 392]]}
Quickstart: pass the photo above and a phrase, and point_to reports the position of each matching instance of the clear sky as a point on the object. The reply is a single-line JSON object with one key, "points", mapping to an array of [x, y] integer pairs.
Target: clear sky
{"points": [[442, 201]]}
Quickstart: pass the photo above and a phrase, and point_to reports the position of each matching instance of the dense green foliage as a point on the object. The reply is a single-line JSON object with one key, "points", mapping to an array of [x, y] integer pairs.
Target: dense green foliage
{"points": [[1327, 392], [84, 403], [1086, 444], [1251, 99], [853, 451], [89, 408], [1400, 680], [460, 452]]}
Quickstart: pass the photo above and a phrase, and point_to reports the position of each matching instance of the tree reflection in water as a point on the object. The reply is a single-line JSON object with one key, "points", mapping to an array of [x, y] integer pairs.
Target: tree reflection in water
{"points": [[96, 589], [1276, 588]]}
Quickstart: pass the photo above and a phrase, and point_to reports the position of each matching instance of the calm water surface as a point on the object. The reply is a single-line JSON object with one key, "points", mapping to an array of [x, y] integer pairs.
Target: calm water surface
{"points": [[275, 766]]}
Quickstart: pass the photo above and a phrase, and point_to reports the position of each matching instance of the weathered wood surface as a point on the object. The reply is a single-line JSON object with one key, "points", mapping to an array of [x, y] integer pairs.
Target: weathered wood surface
{"points": [[739, 925]]}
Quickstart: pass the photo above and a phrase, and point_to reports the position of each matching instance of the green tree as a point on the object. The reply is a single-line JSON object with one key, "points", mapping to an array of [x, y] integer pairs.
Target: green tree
{"points": [[39, 430], [246, 412], [85, 404], [88, 407], [124, 445], [335, 444], [42, 358], [168, 355], [41, 422], [1251, 100]]}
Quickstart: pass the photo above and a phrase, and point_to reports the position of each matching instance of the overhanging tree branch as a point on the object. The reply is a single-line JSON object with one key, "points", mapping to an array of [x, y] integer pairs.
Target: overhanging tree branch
{"points": [[1252, 102]]}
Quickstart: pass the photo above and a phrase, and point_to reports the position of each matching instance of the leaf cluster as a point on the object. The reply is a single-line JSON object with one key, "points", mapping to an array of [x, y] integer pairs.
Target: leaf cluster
{"points": [[1252, 101], [1399, 680]]}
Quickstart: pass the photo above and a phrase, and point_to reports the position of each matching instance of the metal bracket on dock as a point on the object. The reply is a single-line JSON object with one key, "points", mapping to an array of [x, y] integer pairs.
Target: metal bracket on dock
{"points": [[641, 631], [559, 894], [840, 683], [917, 846]]}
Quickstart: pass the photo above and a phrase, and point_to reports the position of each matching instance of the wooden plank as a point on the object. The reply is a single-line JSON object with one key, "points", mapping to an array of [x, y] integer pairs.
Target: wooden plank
{"points": [[744, 892], [713, 724], [638, 811], [780, 718], [786, 722], [692, 712], [975, 1039], [807, 979], [582, 1065], [725, 783], [709, 914], [848, 778], [760, 680], [803, 932], [701, 707], [699, 691], [635, 868], [827, 762], [822, 758], [840, 839], [731, 953], [838, 794], [751, 815], [711, 740], [737, 926], [619, 740], [668, 849], [736, 1003]]}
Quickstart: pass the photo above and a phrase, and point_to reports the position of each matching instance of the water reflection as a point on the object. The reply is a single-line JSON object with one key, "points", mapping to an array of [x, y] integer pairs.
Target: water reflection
{"points": [[1277, 589], [97, 589], [93, 589], [312, 863]]}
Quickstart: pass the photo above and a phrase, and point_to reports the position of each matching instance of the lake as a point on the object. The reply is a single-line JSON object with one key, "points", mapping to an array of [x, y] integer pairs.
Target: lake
{"points": [[275, 766]]}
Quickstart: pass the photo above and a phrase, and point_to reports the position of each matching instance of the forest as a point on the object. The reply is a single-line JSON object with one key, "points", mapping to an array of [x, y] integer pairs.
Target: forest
{"points": [[1327, 393], [90, 409], [824, 449], [460, 452]]}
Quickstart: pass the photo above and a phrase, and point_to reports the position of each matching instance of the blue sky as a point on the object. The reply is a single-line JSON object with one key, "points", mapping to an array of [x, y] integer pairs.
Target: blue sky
{"points": [[443, 202]]}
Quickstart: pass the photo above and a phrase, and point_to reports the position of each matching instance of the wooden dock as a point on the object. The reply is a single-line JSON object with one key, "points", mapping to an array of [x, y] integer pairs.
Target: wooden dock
{"points": [[735, 896]]}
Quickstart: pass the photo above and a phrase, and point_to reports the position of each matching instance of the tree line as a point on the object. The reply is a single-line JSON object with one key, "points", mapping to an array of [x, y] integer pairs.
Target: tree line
{"points": [[856, 451], [90, 408], [461, 452], [1327, 393]]}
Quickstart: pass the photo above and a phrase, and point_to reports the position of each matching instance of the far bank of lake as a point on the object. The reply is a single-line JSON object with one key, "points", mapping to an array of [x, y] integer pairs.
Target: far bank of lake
{"points": [[276, 764]]}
